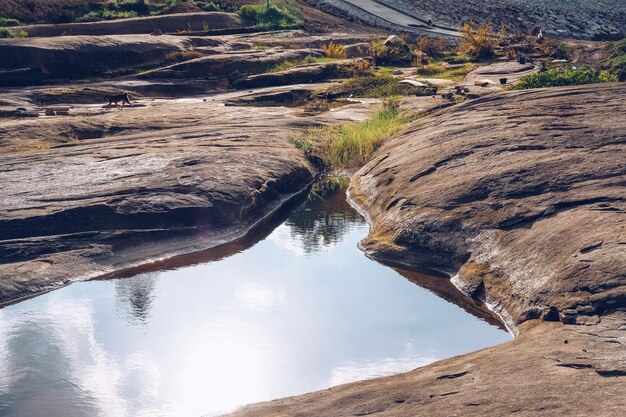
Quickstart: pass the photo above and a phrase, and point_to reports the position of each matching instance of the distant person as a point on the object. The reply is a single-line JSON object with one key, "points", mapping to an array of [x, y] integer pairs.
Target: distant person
{"points": [[430, 22]]}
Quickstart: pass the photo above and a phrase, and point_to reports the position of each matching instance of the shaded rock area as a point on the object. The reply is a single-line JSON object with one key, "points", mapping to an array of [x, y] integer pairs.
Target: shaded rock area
{"points": [[140, 25], [520, 196]]}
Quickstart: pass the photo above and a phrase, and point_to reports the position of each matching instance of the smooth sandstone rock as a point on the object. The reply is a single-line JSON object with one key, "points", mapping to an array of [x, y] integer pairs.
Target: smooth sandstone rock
{"points": [[521, 196]]}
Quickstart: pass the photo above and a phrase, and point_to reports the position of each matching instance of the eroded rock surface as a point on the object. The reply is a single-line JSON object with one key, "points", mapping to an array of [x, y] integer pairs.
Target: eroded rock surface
{"points": [[523, 194], [524, 190], [83, 196]]}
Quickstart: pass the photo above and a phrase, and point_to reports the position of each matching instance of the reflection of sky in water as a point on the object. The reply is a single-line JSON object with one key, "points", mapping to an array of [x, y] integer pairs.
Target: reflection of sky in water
{"points": [[258, 325]]}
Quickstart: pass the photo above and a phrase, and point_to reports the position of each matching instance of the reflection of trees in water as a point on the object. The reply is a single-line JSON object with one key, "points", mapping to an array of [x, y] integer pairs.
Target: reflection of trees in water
{"points": [[325, 217], [134, 296]]}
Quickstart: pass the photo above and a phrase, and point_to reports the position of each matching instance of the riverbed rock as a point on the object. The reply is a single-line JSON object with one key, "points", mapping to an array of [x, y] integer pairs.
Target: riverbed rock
{"points": [[84, 196], [521, 197], [512, 192]]}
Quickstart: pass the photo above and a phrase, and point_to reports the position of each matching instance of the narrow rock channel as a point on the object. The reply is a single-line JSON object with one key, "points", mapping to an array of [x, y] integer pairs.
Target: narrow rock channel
{"points": [[292, 309]]}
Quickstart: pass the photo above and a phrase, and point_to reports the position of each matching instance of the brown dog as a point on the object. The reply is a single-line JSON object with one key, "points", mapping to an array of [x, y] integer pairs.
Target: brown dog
{"points": [[117, 98]]}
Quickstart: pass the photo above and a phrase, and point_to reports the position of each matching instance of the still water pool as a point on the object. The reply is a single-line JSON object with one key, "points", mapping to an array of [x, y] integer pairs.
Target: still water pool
{"points": [[301, 310]]}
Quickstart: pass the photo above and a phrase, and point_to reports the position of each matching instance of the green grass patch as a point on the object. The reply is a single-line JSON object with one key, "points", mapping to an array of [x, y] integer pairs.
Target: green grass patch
{"points": [[7, 22], [564, 76], [124, 9], [376, 86], [268, 16], [351, 145], [7, 33], [439, 70], [616, 63]]}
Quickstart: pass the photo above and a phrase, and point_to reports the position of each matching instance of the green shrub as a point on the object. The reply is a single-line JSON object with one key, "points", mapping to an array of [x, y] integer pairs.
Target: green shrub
{"points": [[208, 6], [268, 15], [96, 16], [376, 87], [352, 144], [564, 76], [6, 21], [616, 63], [7, 33]]}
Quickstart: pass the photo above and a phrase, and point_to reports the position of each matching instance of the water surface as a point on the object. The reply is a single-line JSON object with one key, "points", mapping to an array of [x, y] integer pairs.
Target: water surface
{"points": [[299, 311]]}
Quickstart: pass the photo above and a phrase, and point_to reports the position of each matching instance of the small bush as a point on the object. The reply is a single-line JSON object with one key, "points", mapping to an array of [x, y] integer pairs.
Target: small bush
{"points": [[5, 22], [387, 55], [335, 50], [478, 42], [434, 48], [352, 144], [96, 16], [359, 68], [565, 76], [376, 87], [7, 33], [268, 15], [616, 63]]}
